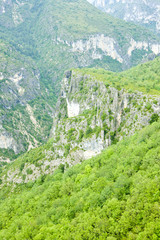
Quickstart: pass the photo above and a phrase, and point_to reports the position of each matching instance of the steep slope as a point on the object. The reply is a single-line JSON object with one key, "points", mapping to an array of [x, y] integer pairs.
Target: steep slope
{"points": [[87, 37], [112, 196], [49, 37], [23, 122], [142, 12], [14, 13], [84, 37], [96, 108]]}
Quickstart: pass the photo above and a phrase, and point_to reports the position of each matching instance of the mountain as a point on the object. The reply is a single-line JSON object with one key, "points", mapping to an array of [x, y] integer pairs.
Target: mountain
{"points": [[142, 12], [95, 109], [23, 106], [39, 41], [92, 37], [112, 196]]}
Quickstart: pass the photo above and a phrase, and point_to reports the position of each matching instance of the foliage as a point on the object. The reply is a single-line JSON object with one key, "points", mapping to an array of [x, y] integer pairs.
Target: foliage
{"points": [[154, 118], [144, 77], [112, 196]]}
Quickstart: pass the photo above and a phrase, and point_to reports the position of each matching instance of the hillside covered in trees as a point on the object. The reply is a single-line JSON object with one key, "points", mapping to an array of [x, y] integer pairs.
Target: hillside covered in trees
{"points": [[112, 196]]}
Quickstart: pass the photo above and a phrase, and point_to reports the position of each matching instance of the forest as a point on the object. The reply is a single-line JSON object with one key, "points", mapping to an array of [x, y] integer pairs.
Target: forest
{"points": [[114, 195]]}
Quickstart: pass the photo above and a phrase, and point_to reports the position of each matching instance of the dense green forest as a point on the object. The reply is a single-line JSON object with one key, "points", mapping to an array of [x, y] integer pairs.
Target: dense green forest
{"points": [[144, 77], [112, 196]]}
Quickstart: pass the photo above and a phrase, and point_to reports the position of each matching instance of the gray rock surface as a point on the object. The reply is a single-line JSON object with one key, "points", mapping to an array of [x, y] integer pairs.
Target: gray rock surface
{"points": [[90, 116]]}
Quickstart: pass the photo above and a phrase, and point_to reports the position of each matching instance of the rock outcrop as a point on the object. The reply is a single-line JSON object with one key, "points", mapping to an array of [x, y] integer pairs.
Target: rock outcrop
{"points": [[90, 116], [20, 130], [40, 40]]}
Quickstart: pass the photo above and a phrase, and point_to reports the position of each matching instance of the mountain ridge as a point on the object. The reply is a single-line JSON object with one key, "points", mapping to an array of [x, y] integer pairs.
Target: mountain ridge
{"points": [[48, 34]]}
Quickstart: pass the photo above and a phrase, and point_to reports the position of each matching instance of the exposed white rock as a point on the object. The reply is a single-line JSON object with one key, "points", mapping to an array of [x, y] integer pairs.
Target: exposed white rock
{"points": [[35, 172], [21, 90], [90, 1], [31, 115], [16, 80], [106, 44], [143, 45], [89, 154], [92, 147], [109, 100], [12, 176], [7, 160], [94, 144], [17, 18], [116, 104], [59, 40], [137, 45], [3, 9], [155, 48], [1, 76], [96, 55], [7, 142], [72, 109]]}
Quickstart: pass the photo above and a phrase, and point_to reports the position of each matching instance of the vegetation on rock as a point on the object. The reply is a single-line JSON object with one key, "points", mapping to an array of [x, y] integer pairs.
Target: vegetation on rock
{"points": [[39, 41]]}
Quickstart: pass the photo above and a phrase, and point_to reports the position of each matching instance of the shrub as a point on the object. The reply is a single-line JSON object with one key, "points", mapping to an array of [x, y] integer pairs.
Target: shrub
{"points": [[103, 116], [21, 167], [148, 106], [111, 118], [29, 171], [127, 110], [81, 135], [154, 118], [88, 131], [61, 167], [110, 112], [67, 149]]}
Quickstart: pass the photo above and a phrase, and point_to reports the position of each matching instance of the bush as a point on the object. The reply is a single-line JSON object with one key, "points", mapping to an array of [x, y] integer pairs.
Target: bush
{"points": [[88, 132], [29, 171], [103, 116], [127, 110], [154, 118], [67, 149], [21, 167], [81, 135], [148, 106]]}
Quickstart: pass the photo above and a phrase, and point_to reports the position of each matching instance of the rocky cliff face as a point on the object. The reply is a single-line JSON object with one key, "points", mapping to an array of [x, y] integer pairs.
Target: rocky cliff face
{"points": [[20, 127], [90, 116], [146, 13], [100, 48], [42, 39]]}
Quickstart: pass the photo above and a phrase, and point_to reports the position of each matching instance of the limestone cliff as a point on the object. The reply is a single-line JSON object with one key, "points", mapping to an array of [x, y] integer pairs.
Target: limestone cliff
{"points": [[90, 116], [40, 40], [20, 123]]}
